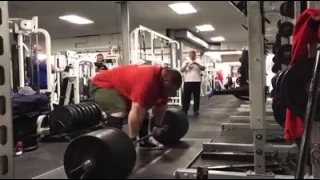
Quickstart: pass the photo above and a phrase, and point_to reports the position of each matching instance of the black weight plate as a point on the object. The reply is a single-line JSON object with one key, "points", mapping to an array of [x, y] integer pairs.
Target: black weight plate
{"points": [[96, 114], [278, 81], [278, 23], [286, 29], [91, 114], [83, 113], [65, 116], [97, 109], [282, 9], [111, 152], [284, 54], [275, 49], [274, 60], [279, 111], [79, 113], [273, 80], [86, 114], [178, 125], [278, 40], [295, 86], [289, 9], [276, 68], [238, 81], [76, 116]]}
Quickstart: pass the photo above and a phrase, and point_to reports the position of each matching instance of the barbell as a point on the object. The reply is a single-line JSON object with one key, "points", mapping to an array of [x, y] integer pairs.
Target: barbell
{"points": [[110, 154]]}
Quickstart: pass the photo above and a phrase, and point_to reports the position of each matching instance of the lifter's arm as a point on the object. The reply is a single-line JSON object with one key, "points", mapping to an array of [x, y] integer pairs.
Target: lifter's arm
{"points": [[136, 116], [159, 113]]}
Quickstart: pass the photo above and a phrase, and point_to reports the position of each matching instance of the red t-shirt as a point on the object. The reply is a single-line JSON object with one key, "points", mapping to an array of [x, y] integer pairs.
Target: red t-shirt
{"points": [[141, 84]]}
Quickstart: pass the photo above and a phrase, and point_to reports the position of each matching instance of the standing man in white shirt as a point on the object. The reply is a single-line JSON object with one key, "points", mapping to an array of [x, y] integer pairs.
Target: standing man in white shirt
{"points": [[192, 82]]}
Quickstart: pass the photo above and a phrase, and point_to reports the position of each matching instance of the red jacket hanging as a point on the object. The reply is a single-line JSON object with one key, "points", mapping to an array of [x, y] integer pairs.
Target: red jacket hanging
{"points": [[305, 31]]}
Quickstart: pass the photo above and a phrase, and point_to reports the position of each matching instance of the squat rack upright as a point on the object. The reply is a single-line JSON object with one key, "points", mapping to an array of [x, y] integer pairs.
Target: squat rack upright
{"points": [[6, 133]]}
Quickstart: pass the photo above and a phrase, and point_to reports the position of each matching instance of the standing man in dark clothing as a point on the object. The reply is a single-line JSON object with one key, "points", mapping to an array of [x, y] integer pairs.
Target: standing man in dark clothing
{"points": [[192, 83], [99, 64]]}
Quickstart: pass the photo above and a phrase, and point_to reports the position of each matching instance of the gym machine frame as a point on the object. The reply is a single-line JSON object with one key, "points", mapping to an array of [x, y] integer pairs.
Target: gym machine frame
{"points": [[74, 79], [257, 83], [72, 59], [154, 35], [26, 27], [109, 52]]}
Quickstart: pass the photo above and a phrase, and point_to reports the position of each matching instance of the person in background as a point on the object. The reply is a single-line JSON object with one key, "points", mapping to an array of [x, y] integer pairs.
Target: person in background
{"points": [[40, 77], [100, 66], [229, 83], [220, 76], [192, 83]]}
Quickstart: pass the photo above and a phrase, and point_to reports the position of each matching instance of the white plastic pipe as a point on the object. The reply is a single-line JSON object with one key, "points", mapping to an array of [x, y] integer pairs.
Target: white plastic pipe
{"points": [[21, 60]]}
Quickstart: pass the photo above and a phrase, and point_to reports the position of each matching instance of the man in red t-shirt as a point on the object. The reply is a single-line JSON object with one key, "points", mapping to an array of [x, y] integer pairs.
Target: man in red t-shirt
{"points": [[132, 90]]}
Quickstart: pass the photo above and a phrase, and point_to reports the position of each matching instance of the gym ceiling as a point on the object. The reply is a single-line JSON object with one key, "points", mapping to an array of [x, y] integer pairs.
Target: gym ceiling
{"points": [[222, 15]]}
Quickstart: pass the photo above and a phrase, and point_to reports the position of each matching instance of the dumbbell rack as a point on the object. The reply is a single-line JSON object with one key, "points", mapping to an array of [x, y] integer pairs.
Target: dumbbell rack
{"points": [[257, 115]]}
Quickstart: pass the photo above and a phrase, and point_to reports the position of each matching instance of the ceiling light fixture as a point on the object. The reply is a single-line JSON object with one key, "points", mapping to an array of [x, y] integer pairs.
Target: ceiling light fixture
{"points": [[197, 40], [76, 19], [218, 39], [183, 8], [205, 27]]}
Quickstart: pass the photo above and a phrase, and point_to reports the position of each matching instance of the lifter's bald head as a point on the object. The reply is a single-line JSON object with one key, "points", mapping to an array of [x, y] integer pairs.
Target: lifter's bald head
{"points": [[172, 80]]}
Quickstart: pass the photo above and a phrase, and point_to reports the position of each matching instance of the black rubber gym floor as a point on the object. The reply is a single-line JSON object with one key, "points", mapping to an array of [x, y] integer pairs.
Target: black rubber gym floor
{"points": [[47, 161]]}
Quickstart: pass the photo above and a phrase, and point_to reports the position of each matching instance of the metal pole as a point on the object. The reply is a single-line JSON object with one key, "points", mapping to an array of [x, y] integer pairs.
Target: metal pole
{"points": [[312, 47], [257, 80], [125, 28], [6, 142], [173, 52], [21, 61]]}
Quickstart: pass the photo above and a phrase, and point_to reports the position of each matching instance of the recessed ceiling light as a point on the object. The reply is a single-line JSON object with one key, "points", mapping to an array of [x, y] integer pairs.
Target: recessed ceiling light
{"points": [[76, 19], [218, 38], [205, 27], [183, 8]]}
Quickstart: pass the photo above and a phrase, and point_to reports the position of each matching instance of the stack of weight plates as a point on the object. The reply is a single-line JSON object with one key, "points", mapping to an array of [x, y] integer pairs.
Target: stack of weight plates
{"points": [[65, 119]]}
